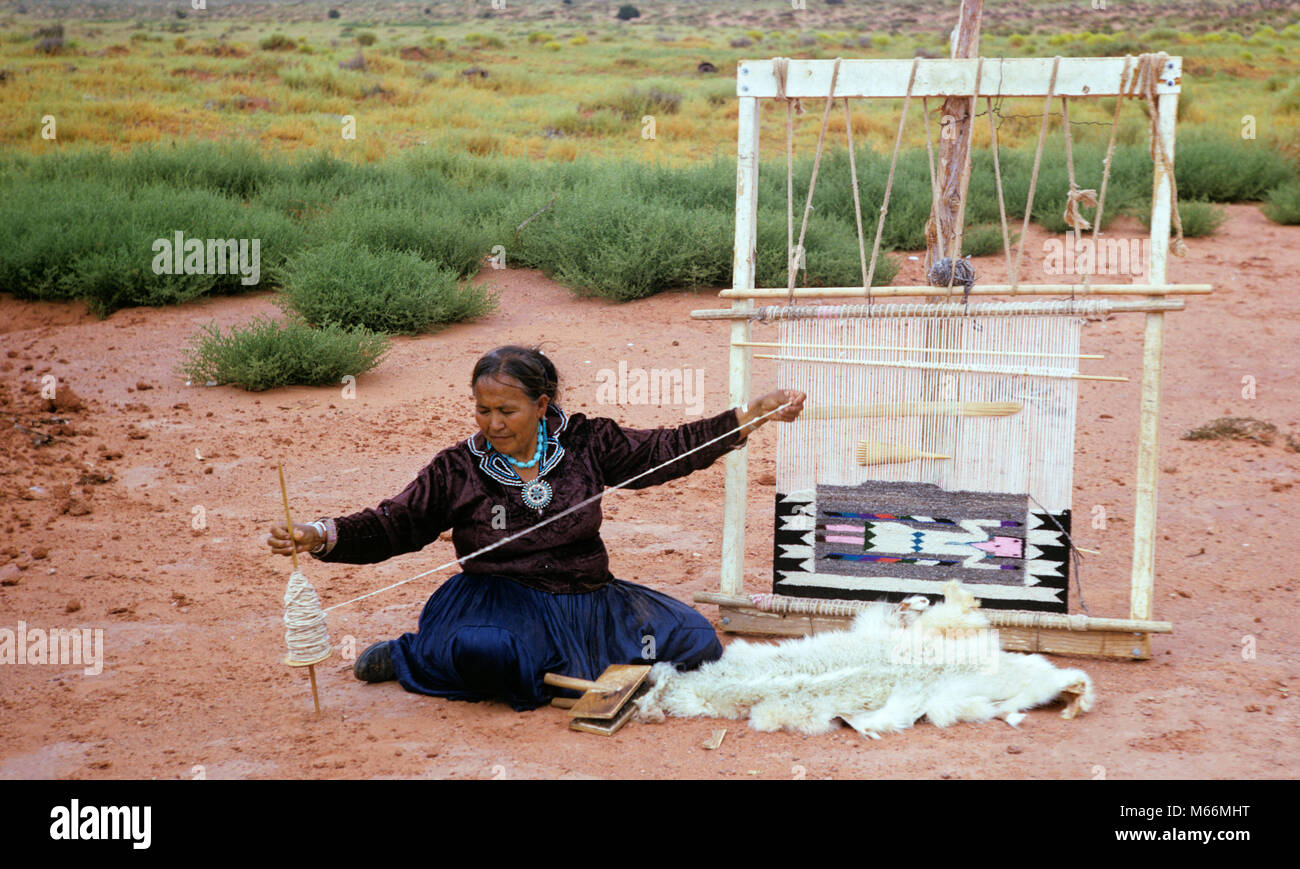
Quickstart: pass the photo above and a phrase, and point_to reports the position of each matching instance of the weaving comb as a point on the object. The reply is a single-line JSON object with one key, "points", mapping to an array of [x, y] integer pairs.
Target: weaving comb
{"points": [[604, 706]]}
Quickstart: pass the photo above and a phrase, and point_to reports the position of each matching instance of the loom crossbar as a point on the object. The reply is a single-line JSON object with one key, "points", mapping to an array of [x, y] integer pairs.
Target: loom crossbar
{"points": [[1081, 308], [938, 77], [977, 290]]}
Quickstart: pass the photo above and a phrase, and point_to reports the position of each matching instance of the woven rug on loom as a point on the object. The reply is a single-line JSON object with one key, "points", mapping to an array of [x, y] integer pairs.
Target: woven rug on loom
{"points": [[886, 541], [895, 665]]}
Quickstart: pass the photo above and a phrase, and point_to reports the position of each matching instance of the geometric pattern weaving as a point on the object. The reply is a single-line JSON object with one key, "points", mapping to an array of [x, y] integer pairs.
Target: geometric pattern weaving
{"points": [[886, 541], [935, 445]]}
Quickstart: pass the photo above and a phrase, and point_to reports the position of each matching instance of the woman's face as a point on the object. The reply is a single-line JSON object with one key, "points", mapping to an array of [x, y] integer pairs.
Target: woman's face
{"points": [[507, 416]]}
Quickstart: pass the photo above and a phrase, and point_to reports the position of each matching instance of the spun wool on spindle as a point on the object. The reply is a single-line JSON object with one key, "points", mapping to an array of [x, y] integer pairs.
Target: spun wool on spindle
{"points": [[305, 630]]}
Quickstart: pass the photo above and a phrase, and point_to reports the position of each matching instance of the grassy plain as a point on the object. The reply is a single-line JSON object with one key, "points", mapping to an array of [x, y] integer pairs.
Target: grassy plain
{"points": [[553, 82]]}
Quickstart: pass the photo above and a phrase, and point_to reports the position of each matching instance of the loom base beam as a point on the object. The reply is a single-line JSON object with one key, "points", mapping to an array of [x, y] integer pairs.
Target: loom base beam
{"points": [[1099, 638]]}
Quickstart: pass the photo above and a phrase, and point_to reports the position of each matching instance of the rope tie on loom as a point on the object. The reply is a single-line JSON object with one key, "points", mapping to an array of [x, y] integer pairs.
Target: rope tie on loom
{"points": [[857, 201], [934, 192], [578, 506], [997, 171], [1143, 84], [889, 182], [305, 631], [1076, 197], [1105, 169], [1033, 178], [781, 68], [797, 254]]}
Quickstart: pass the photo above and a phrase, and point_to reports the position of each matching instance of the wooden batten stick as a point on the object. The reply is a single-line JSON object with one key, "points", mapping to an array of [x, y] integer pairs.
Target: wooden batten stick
{"points": [[938, 366], [877, 453], [978, 290], [913, 408], [972, 351], [293, 553]]}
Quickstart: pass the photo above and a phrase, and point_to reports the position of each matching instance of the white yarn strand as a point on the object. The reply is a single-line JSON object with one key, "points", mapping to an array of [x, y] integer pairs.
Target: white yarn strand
{"points": [[305, 631], [547, 521]]}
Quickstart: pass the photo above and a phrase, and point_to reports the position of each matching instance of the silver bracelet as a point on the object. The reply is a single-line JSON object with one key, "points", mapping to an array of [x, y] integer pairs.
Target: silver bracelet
{"points": [[322, 533]]}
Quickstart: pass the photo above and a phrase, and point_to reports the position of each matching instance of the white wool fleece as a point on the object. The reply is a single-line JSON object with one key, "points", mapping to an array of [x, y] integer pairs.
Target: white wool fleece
{"points": [[887, 671]]}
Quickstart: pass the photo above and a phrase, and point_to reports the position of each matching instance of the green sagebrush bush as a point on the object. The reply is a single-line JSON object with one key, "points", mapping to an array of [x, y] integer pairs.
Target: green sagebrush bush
{"points": [[233, 169], [439, 230], [832, 257], [601, 240], [986, 239], [90, 240], [80, 223], [1282, 204], [265, 354], [627, 232], [1199, 218], [1227, 169], [384, 291]]}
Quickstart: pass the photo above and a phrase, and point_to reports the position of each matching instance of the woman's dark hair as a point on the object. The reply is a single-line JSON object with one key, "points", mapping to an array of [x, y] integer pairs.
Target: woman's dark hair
{"points": [[528, 365]]}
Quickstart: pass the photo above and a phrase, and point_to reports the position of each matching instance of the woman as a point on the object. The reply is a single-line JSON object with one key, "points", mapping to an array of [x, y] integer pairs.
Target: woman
{"points": [[544, 602]]}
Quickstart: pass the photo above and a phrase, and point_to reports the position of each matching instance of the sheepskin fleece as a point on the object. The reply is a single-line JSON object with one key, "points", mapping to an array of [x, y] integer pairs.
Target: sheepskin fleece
{"points": [[893, 666]]}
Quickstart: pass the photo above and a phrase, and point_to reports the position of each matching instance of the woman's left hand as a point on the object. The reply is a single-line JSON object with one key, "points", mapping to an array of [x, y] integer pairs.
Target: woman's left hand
{"points": [[770, 402]]}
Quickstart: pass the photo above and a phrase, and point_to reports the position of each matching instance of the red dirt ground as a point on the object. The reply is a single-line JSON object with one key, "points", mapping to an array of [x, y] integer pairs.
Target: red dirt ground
{"points": [[193, 682]]}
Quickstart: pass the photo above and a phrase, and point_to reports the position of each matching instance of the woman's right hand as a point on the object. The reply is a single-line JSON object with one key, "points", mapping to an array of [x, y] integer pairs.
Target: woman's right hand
{"points": [[305, 539]]}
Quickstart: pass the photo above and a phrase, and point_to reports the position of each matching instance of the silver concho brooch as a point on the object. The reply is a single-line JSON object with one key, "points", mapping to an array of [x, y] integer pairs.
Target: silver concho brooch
{"points": [[537, 494]]}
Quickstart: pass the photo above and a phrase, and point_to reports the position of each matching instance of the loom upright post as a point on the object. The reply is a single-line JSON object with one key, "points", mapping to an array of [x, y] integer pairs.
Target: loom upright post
{"points": [[737, 462], [1144, 512]]}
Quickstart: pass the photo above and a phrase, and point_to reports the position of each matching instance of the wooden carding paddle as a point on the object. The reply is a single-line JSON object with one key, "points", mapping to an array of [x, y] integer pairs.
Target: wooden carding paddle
{"points": [[609, 726], [605, 697]]}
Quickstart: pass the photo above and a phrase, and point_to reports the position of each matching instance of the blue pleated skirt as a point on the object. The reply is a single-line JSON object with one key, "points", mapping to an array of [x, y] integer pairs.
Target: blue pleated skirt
{"points": [[484, 637]]}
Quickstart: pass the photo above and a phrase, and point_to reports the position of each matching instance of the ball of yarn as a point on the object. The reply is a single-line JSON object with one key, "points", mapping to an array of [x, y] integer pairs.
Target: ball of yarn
{"points": [[944, 273]]}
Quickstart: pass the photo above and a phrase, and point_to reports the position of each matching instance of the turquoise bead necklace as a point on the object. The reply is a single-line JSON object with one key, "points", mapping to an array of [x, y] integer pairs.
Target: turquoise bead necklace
{"points": [[537, 455]]}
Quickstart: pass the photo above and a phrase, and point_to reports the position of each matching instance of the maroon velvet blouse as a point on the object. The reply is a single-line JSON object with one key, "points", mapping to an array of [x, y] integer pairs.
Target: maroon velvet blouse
{"points": [[465, 487]]}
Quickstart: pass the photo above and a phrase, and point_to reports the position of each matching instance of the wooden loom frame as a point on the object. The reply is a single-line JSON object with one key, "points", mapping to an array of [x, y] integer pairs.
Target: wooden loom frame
{"points": [[1019, 77]]}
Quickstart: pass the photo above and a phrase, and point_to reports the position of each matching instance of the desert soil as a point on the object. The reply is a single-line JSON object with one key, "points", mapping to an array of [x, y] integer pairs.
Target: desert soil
{"points": [[98, 530]]}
